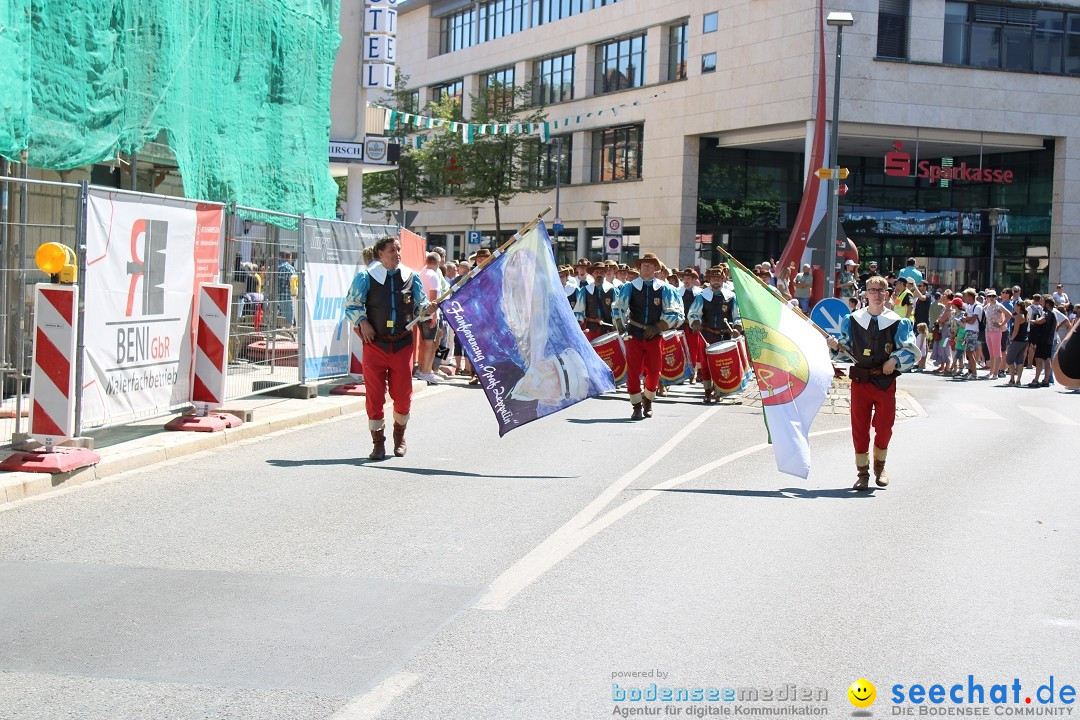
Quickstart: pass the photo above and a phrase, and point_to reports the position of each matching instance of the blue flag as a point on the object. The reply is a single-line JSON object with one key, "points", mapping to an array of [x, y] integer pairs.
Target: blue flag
{"points": [[519, 332]]}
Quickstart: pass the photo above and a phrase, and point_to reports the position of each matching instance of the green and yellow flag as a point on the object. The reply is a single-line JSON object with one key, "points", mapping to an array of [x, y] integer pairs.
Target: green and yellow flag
{"points": [[792, 365]]}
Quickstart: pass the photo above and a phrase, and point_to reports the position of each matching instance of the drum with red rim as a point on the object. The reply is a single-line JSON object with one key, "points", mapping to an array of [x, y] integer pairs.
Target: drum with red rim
{"points": [[674, 358], [748, 368], [611, 350], [724, 363]]}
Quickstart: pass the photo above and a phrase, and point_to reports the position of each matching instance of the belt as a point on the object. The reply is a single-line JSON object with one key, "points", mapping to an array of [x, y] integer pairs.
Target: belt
{"points": [[393, 338]]}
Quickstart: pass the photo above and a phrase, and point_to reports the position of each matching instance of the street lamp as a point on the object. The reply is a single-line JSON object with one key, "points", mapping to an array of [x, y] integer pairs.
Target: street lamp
{"points": [[605, 207], [995, 215], [475, 214], [558, 182], [838, 20]]}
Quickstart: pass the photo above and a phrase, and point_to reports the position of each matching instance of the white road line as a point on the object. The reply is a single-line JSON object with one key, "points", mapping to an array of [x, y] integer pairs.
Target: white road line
{"points": [[371, 704], [570, 536], [977, 412], [1047, 415]]}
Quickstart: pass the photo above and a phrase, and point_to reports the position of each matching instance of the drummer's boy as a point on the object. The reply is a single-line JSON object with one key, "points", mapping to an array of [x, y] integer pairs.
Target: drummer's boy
{"points": [[713, 315]]}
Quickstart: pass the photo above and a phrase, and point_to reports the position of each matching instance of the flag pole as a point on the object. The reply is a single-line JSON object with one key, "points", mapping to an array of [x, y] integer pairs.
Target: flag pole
{"points": [[731, 258], [434, 305]]}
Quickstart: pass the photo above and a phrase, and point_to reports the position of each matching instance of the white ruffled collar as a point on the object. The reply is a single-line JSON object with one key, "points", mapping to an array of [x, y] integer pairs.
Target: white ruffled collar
{"points": [[378, 272]]}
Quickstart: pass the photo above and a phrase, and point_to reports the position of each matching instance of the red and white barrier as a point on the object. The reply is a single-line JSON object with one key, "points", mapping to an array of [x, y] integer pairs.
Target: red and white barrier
{"points": [[211, 363], [52, 384]]}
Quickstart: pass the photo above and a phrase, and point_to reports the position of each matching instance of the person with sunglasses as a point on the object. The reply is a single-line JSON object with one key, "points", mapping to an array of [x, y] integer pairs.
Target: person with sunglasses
{"points": [[882, 345]]}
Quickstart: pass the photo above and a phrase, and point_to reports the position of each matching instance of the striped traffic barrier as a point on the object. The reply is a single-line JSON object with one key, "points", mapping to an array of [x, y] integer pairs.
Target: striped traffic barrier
{"points": [[52, 385], [211, 363]]}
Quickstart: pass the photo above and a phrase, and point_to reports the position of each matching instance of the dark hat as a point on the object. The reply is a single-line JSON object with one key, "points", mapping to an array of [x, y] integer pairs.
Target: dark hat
{"points": [[690, 271], [598, 266], [714, 271], [624, 266], [648, 258], [482, 253], [583, 261]]}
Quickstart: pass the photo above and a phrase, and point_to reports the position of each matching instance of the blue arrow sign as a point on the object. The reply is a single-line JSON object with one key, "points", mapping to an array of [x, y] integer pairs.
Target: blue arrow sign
{"points": [[828, 314]]}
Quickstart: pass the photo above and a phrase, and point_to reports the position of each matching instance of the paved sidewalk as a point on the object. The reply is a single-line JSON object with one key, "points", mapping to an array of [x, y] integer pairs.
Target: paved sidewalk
{"points": [[143, 443]]}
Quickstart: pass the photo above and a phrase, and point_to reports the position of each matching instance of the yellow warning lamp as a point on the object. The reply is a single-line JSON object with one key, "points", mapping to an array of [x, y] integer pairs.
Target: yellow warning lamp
{"points": [[57, 261]]}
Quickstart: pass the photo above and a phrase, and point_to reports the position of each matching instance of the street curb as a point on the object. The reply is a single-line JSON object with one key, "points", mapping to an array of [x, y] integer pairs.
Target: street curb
{"points": [[165, 445]]}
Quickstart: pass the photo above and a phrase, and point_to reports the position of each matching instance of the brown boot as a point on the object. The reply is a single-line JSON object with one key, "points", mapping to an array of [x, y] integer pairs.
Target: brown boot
{"points": [[708, 395], [378, 441], [863, 481], [646, 407], [881, 478], [637, 412], [399, 440]]}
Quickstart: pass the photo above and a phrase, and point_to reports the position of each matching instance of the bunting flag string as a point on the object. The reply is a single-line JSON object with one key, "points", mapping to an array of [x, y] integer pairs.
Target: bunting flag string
{"points": [[401, 122]]}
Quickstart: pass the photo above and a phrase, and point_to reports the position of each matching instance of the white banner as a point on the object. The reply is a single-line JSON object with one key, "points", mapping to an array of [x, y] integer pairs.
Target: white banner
{"points": [[144, 263]]}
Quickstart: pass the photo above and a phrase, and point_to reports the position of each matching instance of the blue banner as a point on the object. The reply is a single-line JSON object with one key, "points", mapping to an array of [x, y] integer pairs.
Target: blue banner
{"points": [[519, 332]]}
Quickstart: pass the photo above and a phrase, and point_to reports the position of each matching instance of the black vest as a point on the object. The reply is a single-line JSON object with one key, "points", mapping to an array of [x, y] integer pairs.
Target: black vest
{"points": [[880, 343], [598, 304], [646, 307], [714, 312], [390, 299], [687, 300]]}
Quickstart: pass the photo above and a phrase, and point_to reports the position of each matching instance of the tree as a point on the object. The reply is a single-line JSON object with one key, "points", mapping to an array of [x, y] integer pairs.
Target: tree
{"points": [[408, 183], [494, 168]]}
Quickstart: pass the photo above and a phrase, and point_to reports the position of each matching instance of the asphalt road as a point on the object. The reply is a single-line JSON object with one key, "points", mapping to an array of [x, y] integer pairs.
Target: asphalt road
{"points": [[522, 577]]}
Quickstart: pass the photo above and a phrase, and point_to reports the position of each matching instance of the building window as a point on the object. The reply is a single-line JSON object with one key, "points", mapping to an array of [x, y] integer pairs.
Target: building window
{"points": [[454, 89], [710, 23], [892, 28], [617, 153], [545, 11], [498, 85], [708, 63], [502, 17], [620, 64], [412, 102], [457, 31], [553, 79], [552, 161], [1012, 38], [677, 43]]}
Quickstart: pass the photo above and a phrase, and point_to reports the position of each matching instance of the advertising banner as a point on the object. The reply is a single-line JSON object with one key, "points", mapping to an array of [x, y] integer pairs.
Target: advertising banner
{"points": [[144, 263], [333, 254]]}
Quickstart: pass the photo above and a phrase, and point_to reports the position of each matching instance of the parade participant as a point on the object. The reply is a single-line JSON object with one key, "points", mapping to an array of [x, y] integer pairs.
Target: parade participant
{"points": [[623, 273], [382, 300], [582, 269], [611, 270], [882, 345], [712, 314], [568, 283], [646, 307], [694, 343], [592, 305]]}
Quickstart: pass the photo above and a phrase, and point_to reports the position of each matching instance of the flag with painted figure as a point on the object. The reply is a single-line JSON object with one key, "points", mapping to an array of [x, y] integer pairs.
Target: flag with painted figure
{"points": [[792, 365], [515, 326]]}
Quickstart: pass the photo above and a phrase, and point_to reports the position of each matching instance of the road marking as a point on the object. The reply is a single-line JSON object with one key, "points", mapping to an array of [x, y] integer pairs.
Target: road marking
{"points": [[545, 555], [977, 412], [573, 535], [371, 704], [1047, 415]]}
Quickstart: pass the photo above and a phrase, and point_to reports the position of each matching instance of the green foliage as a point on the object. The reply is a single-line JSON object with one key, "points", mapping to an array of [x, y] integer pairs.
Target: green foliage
{"points": [[733, 195]]}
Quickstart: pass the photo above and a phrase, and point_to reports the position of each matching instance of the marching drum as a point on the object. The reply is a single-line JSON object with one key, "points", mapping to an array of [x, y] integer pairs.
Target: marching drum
{"points": [[611, 350], [675, 364], [724, 361]]}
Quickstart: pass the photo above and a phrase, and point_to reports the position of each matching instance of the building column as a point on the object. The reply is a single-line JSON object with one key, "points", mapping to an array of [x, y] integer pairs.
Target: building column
{"points": [[582, 241], [1065, 217], [689, 201], [655, 61]]}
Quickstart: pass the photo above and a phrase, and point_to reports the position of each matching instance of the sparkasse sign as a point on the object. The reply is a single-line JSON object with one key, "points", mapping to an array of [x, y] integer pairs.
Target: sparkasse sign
{"points": [[898, 164]]}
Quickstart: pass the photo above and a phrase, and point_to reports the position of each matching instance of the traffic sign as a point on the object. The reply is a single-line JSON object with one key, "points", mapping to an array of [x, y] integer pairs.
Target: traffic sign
{"points": [[827, 174], [557, 225], [828, 314], [472, 238], [613, 244], [614, 226]]}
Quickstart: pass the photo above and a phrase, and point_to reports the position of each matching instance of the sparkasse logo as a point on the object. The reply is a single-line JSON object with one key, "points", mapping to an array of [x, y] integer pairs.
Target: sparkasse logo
{"points": [[898, 164]]}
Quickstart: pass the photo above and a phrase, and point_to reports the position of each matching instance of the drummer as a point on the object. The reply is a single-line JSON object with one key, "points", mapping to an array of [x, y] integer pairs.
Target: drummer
{"points": [[713, 315], [593, 304], [646, 307], [691, 289]]}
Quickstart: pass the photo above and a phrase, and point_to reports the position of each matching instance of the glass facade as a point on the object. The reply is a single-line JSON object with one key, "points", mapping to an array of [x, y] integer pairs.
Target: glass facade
{"points": [[620, 64], [553, 79], [750, 198], [498, 87], [493, 19], [1008, 37], [893, 20], [454, 89], [617, 153], [552, 159]]}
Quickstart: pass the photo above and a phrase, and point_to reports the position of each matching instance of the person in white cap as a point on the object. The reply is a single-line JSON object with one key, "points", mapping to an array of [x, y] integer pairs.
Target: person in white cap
{"points": [[847, 283]]}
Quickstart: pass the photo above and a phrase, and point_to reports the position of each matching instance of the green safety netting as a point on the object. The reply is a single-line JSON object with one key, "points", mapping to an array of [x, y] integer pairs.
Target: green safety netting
{"points": [[241, 89]]}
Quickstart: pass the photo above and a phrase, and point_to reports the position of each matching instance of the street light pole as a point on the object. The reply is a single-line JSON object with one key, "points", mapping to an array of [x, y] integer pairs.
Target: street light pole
{"points": [[839, 20], [995, 216]]}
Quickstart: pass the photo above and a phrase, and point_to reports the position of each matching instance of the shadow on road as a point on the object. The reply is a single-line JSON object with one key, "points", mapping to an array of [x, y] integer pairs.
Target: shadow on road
{"points": [[386, 465], [595, 421], [785, 493]]}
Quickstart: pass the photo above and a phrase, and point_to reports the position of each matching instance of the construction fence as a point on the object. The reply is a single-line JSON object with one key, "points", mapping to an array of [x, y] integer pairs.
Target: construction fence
{"points": [[141, 258]]}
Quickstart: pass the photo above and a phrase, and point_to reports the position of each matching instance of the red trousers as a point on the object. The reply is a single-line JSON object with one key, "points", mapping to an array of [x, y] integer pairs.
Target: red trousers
{"points": [[867, 400], [384, 369], [696, 344], [639, 354]]}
